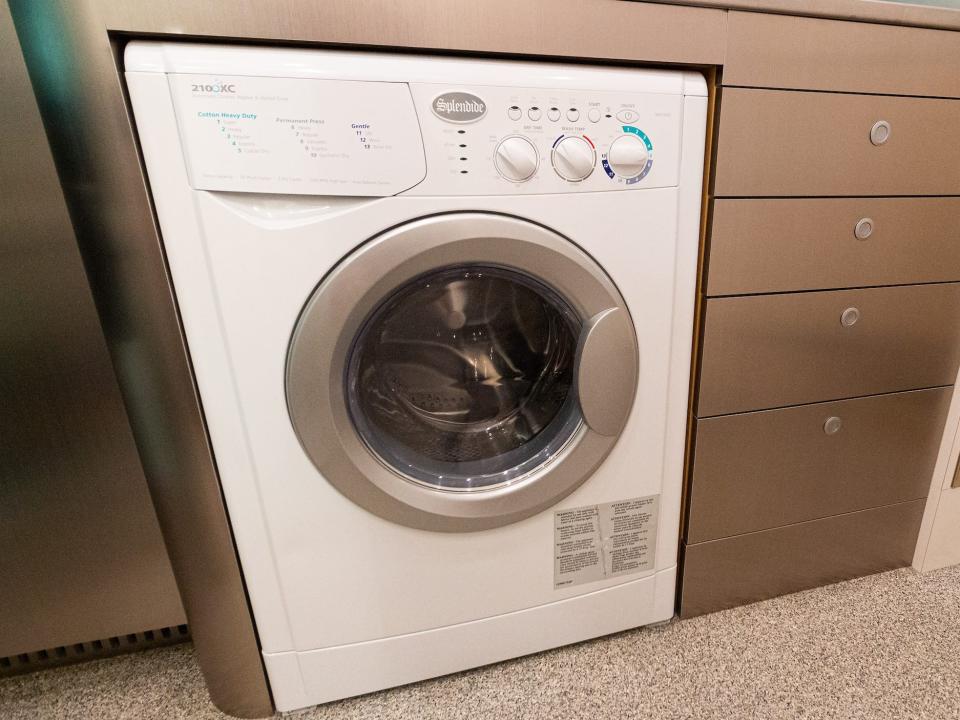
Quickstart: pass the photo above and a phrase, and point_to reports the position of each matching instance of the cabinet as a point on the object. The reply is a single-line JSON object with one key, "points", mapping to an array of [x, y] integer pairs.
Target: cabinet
{"points": [[773, 245], [829, 336], [767, 469]]}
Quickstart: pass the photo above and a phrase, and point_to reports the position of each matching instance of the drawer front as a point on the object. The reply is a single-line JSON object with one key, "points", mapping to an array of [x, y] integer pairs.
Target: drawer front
{"points": [[783, 245], [777, 467], [815, 54], [734, 571], [768, 351], [776, 143]]}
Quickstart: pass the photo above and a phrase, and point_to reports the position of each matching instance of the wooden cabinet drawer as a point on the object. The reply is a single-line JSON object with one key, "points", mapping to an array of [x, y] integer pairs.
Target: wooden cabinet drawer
{"points": [[771, 468], [776, 143], [783, 245], [818, 54], [768, 351], [738, 570]]}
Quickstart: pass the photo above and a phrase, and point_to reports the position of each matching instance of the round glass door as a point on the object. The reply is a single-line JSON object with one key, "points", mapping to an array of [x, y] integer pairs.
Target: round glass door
{"points": [[463, 378], [461, 371]]}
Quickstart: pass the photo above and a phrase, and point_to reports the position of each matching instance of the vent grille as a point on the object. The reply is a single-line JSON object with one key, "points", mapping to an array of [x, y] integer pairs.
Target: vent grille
{"points": [[91, 650]]}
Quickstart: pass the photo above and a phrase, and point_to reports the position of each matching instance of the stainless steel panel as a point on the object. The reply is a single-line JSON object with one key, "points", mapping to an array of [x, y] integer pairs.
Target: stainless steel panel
{"points": [[776, 467], [767, 351], [916, 13], [82, 556], [734, 571], [86, 120], [586, 29]]}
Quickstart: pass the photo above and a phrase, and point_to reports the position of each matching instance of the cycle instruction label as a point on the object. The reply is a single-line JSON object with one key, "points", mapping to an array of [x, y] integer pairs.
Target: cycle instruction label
{"points": [[596, 542]]}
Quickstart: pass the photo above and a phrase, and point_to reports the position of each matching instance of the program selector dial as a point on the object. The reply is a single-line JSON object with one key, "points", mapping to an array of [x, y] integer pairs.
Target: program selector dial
{"points": [[573, 158], [516, 158], [628, 156]]}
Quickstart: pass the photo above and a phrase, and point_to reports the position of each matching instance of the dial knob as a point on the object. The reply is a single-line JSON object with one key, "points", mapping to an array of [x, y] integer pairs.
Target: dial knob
{"points": [[627, 156], [516, 158], [573, 158]]}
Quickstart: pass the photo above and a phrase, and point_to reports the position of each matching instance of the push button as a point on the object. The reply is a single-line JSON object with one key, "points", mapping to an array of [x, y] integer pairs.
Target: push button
{"points": [[533, 113], [628, 116], [553, 114], [514, 113], [594, 115], [573, 114]]}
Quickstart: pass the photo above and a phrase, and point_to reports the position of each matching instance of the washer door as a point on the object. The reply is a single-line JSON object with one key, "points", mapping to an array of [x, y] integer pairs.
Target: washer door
{"points": [[462, 371]]}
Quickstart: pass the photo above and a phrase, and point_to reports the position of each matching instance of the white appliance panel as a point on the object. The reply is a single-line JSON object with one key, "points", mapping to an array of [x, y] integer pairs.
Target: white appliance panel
{"points": [[313, 526], [346, 602]]}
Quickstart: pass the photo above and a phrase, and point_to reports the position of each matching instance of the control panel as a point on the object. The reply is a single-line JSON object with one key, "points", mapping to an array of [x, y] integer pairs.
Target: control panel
{"points": [[368, 138], [531, 140]]}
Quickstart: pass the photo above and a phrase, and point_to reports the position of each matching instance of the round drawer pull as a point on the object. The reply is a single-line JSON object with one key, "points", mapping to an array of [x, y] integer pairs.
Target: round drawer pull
{"points": [[832, 425], [863, 228], [880, 132], [849, 317]]}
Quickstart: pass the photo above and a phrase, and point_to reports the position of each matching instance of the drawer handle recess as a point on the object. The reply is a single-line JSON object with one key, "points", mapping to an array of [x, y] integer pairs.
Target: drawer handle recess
{"points": [[880, 132], [849, 317], [832, 425], [864, 228]]}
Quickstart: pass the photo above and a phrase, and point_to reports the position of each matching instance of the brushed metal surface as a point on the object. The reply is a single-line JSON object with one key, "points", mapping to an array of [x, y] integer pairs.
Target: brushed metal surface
{"points": [[767, 351], [812, 54], [775, 143], [771, 468], [734, 571], [918, 13], [588, 29], [82, 556], [79, 94], [82, 102], [788, 244]]}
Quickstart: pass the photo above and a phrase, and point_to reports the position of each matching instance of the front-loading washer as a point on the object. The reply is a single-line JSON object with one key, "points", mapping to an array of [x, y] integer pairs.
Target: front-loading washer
{"points": [[440, 313]]}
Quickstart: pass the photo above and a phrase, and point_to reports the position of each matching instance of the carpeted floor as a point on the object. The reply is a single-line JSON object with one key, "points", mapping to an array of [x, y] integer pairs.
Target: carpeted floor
{"points": [[881, 648]]}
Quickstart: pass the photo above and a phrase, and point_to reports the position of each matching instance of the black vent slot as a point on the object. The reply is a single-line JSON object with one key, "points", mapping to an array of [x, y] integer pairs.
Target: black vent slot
{"points": [[91, 650]]}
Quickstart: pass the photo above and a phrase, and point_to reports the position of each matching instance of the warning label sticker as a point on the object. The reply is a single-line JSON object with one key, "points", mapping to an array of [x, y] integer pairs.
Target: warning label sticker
{"points": [[600, 541]]}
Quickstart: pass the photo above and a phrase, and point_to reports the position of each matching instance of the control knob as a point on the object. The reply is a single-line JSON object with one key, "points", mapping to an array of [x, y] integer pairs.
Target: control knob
{"points": [[627, 156], [573, 158], [516, 158]]}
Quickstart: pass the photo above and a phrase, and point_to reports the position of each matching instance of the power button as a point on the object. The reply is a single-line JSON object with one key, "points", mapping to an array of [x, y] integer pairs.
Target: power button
{"points": [[628, 116]]}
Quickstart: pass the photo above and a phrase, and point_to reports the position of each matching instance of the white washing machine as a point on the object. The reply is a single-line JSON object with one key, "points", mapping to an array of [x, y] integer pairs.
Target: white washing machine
{"points": [[440, 312]]}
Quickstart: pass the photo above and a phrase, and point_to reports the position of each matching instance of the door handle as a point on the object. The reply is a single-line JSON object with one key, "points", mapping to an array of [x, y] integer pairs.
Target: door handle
{"points": [[608, 366]]}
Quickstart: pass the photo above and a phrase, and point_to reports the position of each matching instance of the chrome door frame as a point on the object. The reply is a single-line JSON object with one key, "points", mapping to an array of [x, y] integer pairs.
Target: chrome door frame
{"points": [[329, 324]]}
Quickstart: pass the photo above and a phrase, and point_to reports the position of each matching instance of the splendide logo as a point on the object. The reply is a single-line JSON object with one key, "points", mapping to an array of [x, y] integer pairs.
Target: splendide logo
{"points": [[459, 107]]}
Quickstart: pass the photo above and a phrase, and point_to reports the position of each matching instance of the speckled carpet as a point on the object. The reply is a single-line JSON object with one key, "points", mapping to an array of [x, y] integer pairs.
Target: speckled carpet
{"points": [[880, 648]]}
